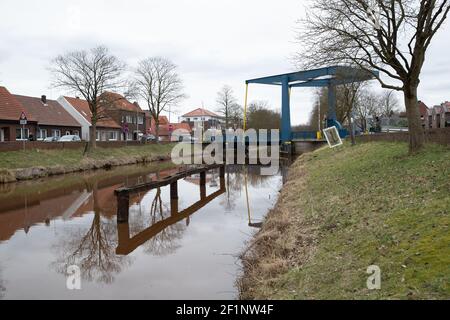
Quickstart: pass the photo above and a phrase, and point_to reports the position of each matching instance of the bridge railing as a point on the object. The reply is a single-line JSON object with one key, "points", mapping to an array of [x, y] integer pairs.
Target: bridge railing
{"points": [[304, 135]]}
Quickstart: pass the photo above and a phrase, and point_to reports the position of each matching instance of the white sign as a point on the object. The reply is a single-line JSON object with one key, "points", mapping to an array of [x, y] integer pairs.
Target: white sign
{"points": [[333, 138], [23, 119]]}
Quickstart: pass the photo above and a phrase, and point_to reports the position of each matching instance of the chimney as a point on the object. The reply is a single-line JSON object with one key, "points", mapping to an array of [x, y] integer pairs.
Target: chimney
{"points": [[44, 99]]}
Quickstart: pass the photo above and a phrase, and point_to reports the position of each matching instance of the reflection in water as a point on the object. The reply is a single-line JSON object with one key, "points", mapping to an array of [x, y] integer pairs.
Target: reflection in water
{"points": [[164, 229], [92, 250], [48, 225], [163, 243]]}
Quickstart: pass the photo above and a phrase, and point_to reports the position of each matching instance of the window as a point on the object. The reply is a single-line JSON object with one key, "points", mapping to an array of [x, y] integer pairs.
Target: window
{"points": [[56, 133], [140, 120], [42, 134], [67, 133], [112, 136], [22, 134], [97, 137], [195, 119], [76, 133], [129, 136], [129, 119]]}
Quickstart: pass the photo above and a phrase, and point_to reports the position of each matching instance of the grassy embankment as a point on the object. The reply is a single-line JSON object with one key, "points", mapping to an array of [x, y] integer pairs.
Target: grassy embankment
{"points": [[344, 210], [60, 161]]}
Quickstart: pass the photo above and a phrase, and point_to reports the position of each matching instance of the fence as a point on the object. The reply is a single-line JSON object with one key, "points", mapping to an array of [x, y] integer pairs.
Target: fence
{"points": [[440, 136], [34, 145]]}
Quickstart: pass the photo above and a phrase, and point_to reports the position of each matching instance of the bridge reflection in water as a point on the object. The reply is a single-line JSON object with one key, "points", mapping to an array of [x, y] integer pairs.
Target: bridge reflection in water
{"points": [[126, 243]]}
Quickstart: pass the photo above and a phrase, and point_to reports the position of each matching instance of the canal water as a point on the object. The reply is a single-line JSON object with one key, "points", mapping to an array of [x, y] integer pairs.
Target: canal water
{"points": [[49, 225]]}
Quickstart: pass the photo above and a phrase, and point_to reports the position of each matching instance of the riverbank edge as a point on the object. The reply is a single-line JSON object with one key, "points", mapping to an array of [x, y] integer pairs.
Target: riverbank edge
{"points": [[87, 164], [290, 241]]}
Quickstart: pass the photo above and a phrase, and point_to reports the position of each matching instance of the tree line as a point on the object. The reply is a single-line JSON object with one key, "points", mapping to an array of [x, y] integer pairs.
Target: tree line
{"points": [[388, 36], [92, 73]]}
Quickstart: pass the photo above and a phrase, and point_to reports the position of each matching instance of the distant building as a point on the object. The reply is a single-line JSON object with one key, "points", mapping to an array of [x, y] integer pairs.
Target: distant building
{"points": [[52, 119], [439, 116], [202, 118], [166, 129], [45, 118], [424, 111], [107, 128], [126, 114]]}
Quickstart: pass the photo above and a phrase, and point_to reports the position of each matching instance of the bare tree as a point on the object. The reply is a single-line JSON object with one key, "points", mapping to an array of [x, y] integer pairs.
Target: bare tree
{"points": [[158, 84], [227, 104], [351, 95], [260, 116], [90, 74], [368, 105], [389, 104], [390, 36]]}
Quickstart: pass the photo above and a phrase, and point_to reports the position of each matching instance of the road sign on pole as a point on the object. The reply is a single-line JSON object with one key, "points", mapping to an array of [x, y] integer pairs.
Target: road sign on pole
{"points": [[23, 119]]}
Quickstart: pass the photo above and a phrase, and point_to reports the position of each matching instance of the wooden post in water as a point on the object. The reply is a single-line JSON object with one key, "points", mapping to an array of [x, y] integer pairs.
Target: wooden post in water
{"points": [[203, 184], [174, 190], [174, 198], [123, 207]]}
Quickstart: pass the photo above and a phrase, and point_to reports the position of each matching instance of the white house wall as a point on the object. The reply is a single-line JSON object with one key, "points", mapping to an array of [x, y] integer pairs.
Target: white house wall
{"points": [[85, 125]]}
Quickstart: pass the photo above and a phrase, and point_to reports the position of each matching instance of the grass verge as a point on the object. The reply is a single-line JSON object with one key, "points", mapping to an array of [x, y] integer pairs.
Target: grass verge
{"points": [[346, 209], [51, 158]]}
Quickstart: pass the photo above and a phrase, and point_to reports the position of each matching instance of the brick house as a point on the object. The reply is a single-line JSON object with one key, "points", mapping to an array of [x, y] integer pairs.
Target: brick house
{"points": [[107, 128], [10, 111], [439, 116], [165, 128], [202, 118], [124, 113], [52, 119], [424, 111], [45, 118]]}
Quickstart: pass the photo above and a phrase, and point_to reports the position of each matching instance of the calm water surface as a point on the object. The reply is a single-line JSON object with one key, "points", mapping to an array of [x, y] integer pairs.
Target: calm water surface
{"points": [[48, 225]]}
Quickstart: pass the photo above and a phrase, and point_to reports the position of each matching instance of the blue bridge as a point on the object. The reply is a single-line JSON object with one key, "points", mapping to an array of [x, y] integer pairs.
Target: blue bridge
{"points": [[329, 77]]}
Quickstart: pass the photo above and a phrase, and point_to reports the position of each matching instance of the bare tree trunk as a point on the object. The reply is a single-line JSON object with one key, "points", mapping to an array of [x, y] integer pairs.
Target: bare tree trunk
{"points": [[416, 134], [93, 137], [157, 131], [351, 125]]}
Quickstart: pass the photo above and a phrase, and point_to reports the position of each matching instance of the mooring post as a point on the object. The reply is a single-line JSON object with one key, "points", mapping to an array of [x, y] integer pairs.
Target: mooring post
{"points": [[123, 207], [222, 171], [174, 198], [174, 190], [123, 232], [203, 184]]}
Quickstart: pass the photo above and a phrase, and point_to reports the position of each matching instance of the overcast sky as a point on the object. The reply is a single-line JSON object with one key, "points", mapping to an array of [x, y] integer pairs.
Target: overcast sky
{"points": [[213, 42]]}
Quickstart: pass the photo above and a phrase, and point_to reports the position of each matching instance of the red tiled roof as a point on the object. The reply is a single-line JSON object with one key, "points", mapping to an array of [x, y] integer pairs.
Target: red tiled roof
{"points": [[423, 109], [10, 108], [50, 114], [200, 112], [83, 108], [119, 102], [182, 126]]}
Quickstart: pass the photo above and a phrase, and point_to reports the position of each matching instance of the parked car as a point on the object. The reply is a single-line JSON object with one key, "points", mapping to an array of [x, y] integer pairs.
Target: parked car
{"points": [[151, 138], [70, 138], [51, 139]]}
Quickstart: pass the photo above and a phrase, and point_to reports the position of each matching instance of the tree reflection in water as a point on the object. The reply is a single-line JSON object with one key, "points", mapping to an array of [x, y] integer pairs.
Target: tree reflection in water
{"points": [[165, 242], [93, 251], [235, 181]]}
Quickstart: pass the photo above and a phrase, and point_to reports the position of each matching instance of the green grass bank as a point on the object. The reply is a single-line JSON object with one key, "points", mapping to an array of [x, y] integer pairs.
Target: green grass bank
{"points": [[344, 210], [30, 164]]}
